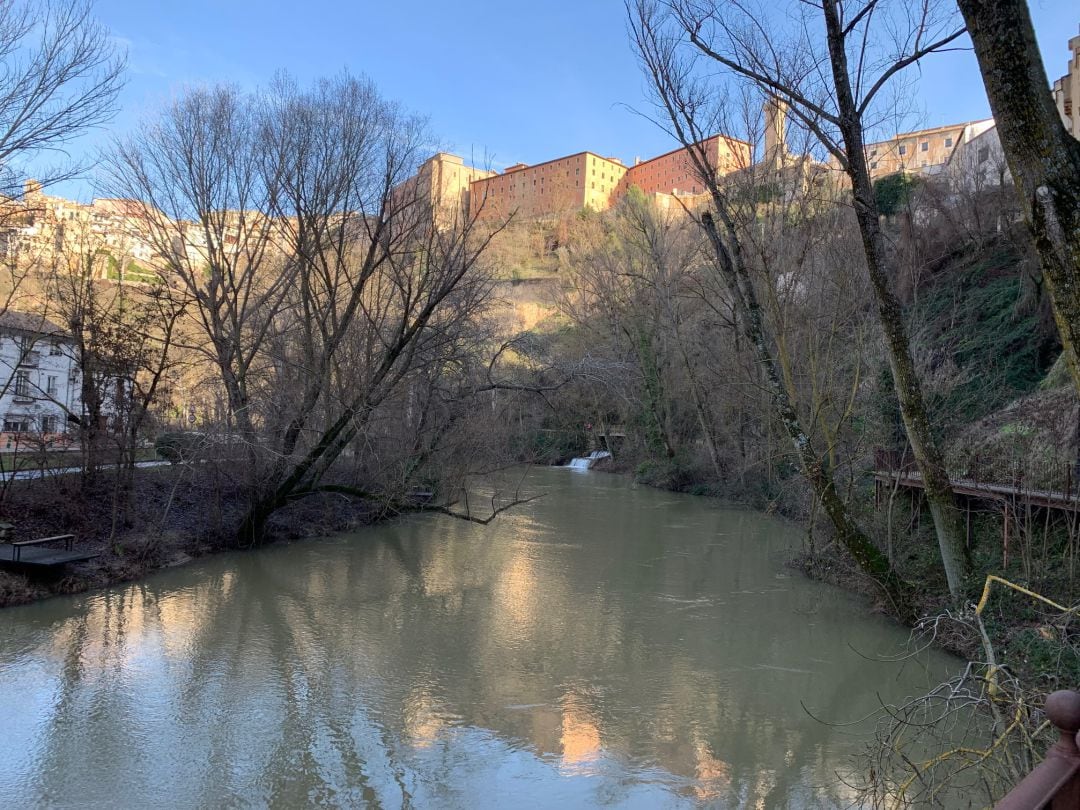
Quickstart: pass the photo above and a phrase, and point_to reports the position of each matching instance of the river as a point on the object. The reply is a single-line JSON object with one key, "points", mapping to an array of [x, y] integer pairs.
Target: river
{"points": [[605, 645]]}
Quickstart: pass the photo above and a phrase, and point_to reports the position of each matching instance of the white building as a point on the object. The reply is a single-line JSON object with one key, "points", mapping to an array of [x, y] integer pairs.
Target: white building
{"points": [[40, 385], [979, 162]]}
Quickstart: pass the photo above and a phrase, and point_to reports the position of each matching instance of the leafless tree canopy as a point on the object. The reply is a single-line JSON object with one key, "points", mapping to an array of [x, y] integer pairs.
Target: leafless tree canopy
{"points": [[323, 289], [61, 76]]}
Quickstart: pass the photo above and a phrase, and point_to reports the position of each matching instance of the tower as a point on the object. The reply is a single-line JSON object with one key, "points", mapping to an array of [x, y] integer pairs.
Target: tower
{"points": [[774, 112]]}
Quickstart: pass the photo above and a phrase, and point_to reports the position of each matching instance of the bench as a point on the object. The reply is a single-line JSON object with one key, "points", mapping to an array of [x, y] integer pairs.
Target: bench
{"points": [[18, 545]]}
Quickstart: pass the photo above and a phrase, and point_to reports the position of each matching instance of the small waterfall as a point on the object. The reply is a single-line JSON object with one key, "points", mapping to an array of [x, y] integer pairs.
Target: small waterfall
{"points": [[587, 462]]}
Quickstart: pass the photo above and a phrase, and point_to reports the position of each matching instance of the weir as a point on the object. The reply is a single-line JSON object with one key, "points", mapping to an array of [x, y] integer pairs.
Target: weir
{"points": [[586, 462]]}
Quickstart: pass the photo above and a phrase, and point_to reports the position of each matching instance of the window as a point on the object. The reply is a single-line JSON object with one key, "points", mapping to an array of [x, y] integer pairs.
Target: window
{"points": [[873, 152], [48, 424], [55, 349], [50, 386], [948, 141], [903, 149], [984, 154], [924, 146], [873, 165], [17, 424], [22, 384]]}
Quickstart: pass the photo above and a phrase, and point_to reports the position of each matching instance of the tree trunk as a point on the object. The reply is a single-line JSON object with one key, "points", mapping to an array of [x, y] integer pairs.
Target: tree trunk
{"points": [[749, 314], [1043, 158], [947, 521]]}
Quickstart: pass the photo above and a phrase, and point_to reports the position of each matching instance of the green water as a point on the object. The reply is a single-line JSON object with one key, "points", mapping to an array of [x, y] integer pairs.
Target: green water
{"points": [[606, 645]]}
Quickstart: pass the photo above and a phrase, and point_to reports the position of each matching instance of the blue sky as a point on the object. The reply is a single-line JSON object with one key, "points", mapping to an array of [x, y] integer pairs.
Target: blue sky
{"points": [[500, 81]]}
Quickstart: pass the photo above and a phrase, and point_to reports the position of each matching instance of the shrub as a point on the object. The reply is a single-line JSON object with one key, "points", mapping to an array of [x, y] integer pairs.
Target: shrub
{"points": [[180, 445]]}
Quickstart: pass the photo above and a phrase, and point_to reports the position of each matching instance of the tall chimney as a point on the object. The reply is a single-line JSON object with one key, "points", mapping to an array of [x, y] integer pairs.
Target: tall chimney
{"points": [[775, 113]]}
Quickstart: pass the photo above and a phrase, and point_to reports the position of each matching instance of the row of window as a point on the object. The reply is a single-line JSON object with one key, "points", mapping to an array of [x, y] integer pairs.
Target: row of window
{"points": [[24, 389], [28, 344], [924, 146], [27, 424]]}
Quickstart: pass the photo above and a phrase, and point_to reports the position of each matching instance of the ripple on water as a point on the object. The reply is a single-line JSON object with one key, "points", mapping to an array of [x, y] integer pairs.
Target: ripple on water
{"points": [[605, 645]]}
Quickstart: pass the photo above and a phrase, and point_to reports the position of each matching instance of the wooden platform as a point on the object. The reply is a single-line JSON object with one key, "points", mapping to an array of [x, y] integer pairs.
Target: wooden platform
{"points": [[1064, 501], [30, 555], [46, 557]]}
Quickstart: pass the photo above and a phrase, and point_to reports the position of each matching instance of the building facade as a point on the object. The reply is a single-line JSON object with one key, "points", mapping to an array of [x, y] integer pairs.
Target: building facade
{"points": [[924, 151], [589, 180], [556, 186], [40, 384], [979, 163], [445, 181], [674, 172], [1067, 91], [42, 229]]}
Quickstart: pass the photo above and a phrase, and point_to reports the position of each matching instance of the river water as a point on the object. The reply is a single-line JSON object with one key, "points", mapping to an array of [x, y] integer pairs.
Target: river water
{"points": [[606, 645]]}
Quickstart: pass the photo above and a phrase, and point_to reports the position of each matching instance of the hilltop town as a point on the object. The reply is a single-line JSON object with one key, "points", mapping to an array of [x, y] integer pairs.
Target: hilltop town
{"points": [[741, 472]]}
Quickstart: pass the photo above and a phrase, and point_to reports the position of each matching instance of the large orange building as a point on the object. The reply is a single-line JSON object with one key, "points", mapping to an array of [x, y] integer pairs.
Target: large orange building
{"points": [[443, 181], [587, 180], [556, 186], [674, 173]]}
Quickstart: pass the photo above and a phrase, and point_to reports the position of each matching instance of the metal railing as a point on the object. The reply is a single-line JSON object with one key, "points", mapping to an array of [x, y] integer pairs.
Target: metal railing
{"points": [[1049, 475], [1054, 783]]}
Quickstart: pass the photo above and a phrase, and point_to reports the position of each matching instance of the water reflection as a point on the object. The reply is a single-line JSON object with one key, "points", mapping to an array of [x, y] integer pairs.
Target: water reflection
{"points": [[603, 646]]}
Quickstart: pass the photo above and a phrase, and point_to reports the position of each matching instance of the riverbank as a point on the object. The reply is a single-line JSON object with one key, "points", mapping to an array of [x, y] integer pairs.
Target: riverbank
{"points": [[174, 517], [171, 518], [1039, 646]]}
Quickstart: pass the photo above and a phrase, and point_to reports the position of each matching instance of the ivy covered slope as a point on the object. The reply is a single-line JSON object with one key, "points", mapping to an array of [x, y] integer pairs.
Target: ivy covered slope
{"points": [[985, 330]]}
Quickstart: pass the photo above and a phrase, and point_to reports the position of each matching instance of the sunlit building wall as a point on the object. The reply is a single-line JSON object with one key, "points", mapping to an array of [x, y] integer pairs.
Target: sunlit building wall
{"points": [[1067, 91], [556, 186]]}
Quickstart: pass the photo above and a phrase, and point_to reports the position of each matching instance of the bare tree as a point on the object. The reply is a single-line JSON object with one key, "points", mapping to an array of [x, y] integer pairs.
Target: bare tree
{"points": [[694, 111], [1043, 158], [196, 178], [123, 336], [61, 76], [831, 84], [319, 278]]}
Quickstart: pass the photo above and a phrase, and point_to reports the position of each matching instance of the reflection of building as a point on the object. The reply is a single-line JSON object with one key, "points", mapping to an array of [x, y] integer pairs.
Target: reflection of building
{"points": [[580, 737], [1067, 90]]}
